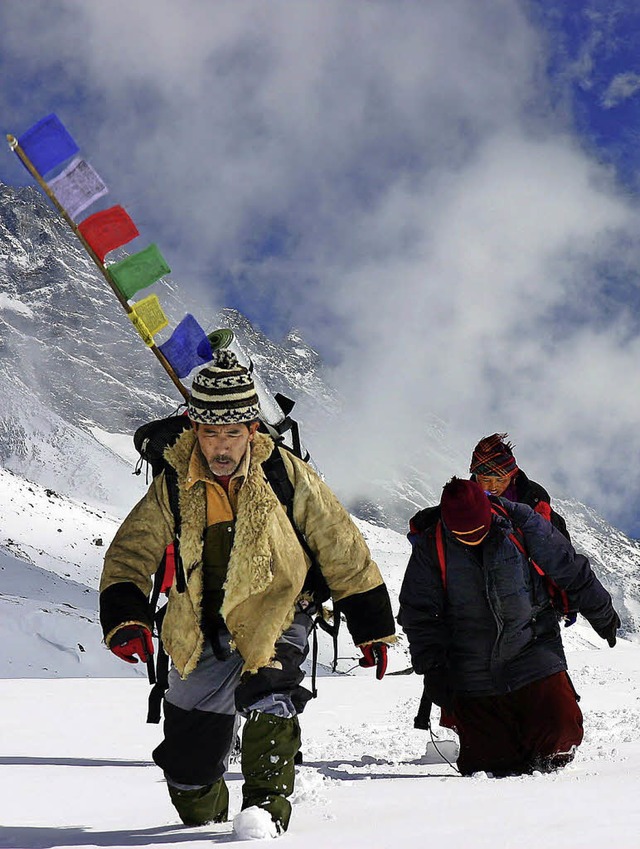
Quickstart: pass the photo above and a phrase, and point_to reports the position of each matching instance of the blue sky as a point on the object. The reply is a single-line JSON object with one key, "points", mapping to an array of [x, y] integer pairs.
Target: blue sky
{"points": [[442, 196]]}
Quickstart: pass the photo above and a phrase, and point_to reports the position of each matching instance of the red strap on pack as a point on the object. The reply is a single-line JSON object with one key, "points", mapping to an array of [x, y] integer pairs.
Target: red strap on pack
{"points": [[552, 588], [440, 550], [169, 568]]}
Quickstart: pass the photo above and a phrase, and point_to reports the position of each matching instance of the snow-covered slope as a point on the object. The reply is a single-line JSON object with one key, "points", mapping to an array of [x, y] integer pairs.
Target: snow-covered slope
{"points": [[51, 553], [76, 770]]}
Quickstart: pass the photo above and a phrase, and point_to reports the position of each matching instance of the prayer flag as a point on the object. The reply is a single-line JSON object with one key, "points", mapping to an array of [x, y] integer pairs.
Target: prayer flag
{"points": [[48, 143], [107, 230], [148, 318], [138, 271], [77, 187], [188, 347]]}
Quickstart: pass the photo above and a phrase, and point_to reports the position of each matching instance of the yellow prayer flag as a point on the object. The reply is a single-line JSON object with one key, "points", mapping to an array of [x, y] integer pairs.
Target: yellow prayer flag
{"points": [[148, 318], [151, 313]]}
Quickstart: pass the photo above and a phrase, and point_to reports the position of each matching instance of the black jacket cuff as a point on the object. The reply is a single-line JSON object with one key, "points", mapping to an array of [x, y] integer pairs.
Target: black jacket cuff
{"points": [[369, 615]]}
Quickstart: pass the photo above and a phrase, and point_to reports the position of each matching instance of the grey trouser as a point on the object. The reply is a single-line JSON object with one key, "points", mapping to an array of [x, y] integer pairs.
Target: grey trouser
{"points": [[201, 711]]}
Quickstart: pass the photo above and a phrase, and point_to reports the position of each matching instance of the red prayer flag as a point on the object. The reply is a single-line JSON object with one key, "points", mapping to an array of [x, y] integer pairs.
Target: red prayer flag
{"points": [[107, 230]]}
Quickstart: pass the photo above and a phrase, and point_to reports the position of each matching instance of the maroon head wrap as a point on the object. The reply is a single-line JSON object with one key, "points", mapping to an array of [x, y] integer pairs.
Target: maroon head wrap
{"points": [[466, 510]]}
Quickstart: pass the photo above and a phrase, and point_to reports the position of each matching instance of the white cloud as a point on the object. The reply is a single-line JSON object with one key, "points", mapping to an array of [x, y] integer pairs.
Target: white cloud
{"points": [[621, 88], [424, 198]]}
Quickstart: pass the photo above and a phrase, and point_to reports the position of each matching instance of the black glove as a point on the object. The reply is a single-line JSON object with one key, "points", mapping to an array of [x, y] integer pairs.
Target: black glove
{"points": [[422, 718], [608, 633], [438, 689]]}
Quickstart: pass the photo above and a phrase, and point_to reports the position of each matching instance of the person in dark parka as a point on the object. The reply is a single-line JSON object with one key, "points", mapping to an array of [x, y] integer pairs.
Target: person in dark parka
{"points": [[488, 643]]}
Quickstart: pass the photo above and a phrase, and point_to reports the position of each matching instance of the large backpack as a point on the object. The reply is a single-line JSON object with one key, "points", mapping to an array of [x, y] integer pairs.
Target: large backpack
{"points": [[428, 522], [151, 440]]}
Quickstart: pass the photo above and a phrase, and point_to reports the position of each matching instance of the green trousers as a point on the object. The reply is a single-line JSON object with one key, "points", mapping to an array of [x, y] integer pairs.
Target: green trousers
{"points": [[202, 805], [269, 746]]}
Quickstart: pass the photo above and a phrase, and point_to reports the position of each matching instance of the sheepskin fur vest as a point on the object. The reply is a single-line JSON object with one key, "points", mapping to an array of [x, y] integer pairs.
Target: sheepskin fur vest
{"points": [[266, 572]]}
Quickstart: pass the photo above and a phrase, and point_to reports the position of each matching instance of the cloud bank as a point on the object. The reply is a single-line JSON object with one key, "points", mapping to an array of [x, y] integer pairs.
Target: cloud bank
{"points": [[391, 178]]}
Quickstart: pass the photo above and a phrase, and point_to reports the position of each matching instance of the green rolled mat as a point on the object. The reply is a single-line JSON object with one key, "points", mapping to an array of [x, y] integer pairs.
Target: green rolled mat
{"points": [[220, 338]]}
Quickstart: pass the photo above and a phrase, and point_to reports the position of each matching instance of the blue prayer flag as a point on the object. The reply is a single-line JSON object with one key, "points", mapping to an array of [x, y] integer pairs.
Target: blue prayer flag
{"points": [[48, 143], [187, 347]]}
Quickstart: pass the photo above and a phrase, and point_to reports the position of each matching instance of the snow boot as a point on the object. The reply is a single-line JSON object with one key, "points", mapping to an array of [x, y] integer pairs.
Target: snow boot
{"points": [[269, 747], [203, 804]]}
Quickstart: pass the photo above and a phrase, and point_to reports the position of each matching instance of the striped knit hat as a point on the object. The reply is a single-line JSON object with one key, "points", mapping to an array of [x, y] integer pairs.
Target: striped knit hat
{"points": [[223, 392], [493, 456]]}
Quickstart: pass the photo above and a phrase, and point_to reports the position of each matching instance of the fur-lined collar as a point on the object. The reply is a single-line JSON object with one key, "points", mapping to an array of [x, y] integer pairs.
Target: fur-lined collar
{"points": [[179, 454]]}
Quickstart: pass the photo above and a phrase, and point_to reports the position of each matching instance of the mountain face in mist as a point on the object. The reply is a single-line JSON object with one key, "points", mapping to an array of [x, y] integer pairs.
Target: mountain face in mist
{"points": [[75, 372]]}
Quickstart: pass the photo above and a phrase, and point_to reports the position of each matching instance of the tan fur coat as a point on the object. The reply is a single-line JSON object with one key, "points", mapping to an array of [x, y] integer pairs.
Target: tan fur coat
{"points": [[267, 567]]}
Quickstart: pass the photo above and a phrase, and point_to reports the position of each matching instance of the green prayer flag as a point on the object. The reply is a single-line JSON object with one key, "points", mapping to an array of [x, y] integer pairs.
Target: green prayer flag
{"points": [[138, 271]]}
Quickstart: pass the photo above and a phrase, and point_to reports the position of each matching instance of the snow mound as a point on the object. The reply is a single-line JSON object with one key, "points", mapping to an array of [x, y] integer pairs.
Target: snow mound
{"points": [[254, 824]]}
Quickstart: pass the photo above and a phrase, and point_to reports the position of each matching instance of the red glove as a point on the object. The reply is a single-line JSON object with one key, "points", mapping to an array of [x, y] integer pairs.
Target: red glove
{"points": [[131, 640], [375, 654]]}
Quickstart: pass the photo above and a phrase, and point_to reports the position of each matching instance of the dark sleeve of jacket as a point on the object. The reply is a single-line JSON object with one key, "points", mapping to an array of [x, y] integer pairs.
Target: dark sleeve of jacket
{"points": [[369, 615], [534, 494], [571, 571], [121, 604], [422, 609], [132, 560]]}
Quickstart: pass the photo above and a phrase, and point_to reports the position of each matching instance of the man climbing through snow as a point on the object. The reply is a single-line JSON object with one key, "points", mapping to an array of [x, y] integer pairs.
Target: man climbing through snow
{"points": [[484, 633], [237, 634]]}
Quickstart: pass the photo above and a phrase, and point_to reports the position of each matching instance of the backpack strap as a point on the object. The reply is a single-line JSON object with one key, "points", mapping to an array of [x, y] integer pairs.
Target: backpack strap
{"points": [[161, 682], [439, 538], [171, 477], [558, 596], [159, 677], [276, 474]]}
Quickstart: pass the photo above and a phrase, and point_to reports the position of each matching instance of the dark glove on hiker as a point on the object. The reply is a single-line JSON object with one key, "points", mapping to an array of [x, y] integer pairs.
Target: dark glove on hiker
{"points": [[422, 720], [375, 654], [131, 640], [437, 688], [608, 633]]}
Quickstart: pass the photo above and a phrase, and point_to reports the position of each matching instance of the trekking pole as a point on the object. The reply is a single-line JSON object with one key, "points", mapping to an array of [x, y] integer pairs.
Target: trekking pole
{"points": [[140, 327]]}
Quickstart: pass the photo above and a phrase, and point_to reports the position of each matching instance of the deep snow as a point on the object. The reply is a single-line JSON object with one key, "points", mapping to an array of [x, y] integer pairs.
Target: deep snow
{"points": [[75, 752], [75, 770]]}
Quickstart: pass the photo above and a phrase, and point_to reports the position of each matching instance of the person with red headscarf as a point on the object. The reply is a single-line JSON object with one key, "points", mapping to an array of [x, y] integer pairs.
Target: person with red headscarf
{"points": [[484, 633]]}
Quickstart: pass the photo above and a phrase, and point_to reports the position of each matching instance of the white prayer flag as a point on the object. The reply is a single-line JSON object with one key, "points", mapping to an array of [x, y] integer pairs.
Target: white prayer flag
{"points": [[77, 187]]}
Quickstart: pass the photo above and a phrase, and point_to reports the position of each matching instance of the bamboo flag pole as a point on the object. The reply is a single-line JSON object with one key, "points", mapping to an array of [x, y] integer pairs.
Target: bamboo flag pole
{"points": [[15, 146]]}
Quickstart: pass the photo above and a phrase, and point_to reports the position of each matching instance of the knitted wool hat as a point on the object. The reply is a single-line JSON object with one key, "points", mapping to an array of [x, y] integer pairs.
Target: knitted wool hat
{"points": [[465, 510], [493, 456], [223, 392]]}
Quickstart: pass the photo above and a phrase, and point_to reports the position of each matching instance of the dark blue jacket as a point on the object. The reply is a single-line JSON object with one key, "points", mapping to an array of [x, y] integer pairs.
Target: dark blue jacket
{"points": [[494, 628]]}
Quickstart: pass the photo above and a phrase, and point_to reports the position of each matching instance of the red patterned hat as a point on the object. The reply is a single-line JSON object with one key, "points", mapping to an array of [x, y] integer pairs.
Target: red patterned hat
{"points": [[493, 456]]}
